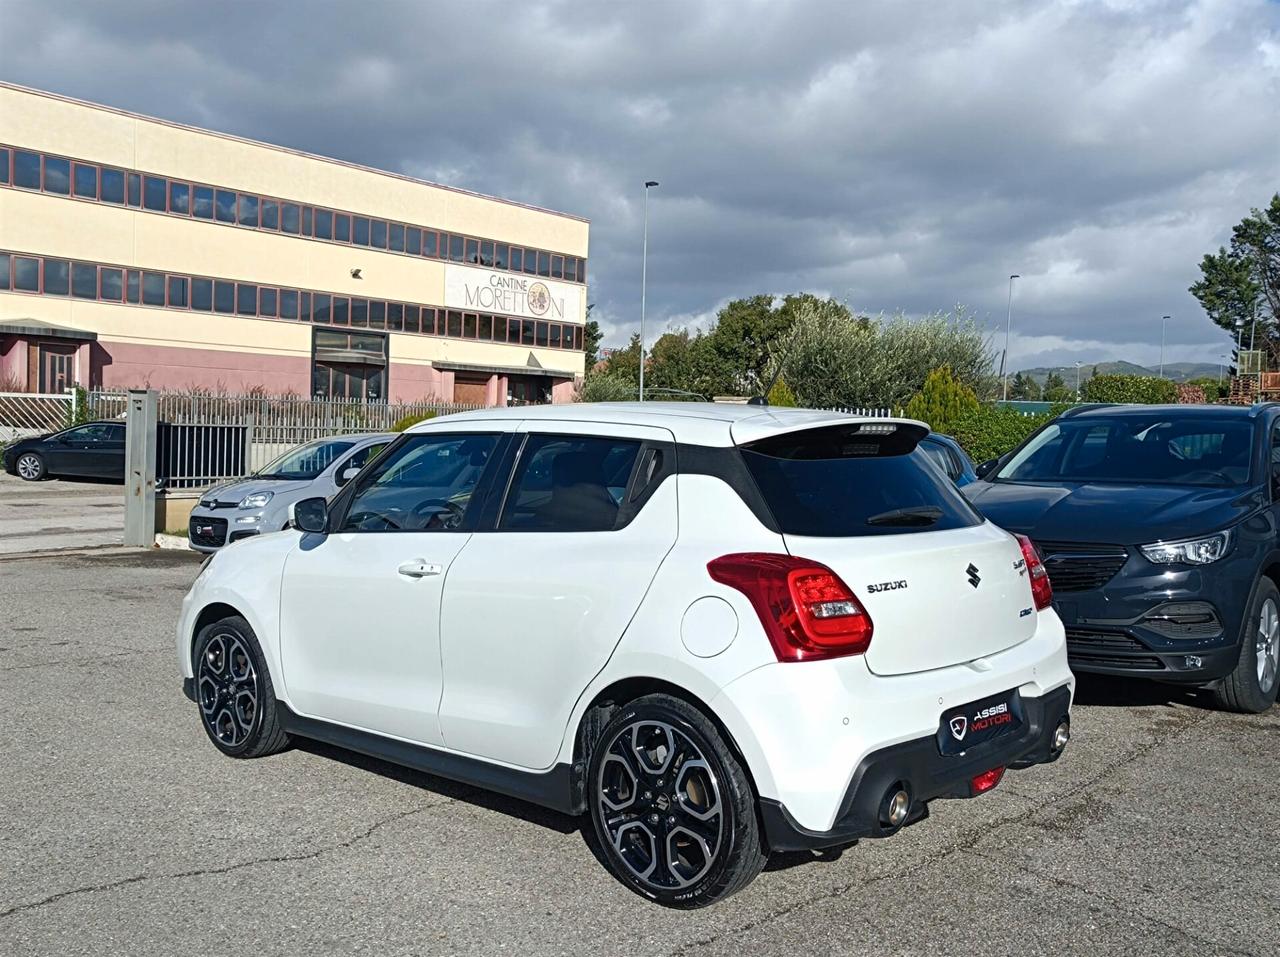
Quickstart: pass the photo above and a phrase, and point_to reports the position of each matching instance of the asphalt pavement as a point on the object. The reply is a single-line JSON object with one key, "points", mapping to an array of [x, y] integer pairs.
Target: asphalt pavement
{"points": [[122, 830], [59, 513]]}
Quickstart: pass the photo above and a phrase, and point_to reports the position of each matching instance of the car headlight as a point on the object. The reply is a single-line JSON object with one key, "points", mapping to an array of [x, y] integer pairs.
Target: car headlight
{"points": [[257, 500], [1193, 551]]}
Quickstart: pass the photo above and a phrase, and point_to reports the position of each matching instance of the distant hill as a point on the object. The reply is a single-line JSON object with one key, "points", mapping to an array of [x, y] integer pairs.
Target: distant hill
{"points": [[1176, 371]]}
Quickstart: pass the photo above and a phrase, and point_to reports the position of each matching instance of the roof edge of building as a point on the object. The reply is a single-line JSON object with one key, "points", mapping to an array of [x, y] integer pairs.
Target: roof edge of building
{"points": [[8, 85]]}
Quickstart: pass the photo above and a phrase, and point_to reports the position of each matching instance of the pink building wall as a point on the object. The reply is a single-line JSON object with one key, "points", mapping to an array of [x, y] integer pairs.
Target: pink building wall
{"points": [[126, 365]]}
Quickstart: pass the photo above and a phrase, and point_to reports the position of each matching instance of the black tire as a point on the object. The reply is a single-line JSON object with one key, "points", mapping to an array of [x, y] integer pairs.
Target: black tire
{"points": [[1251, 688], [236, 700], [690, 793], [30, 467]]}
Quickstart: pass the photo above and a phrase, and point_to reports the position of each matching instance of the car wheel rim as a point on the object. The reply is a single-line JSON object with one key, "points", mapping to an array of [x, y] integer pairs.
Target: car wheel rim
{"points": [[1268, 645], [28, 466], [660, 802], [227, 683]]}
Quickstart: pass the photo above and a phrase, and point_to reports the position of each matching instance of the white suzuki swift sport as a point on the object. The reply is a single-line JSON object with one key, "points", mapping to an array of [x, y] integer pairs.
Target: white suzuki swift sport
{"points": [[719, 630]]}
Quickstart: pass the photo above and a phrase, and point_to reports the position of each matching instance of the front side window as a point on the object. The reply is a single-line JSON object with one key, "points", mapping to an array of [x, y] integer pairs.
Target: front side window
{"points": [[1154, 448], [423, 485], [569, 483]]}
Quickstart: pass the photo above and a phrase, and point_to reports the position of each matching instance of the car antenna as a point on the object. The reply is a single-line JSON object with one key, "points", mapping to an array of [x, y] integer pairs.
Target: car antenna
{"points": [[763, 399]]}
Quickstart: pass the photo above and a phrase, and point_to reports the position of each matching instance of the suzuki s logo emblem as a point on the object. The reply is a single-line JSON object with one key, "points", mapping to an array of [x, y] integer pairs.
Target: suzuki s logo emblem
{"points": [[972, 572], [959, 726]]}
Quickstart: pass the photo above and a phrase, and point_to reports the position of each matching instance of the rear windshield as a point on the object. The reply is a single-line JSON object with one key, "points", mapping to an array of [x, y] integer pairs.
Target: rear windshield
{"points": [[848, 480]]}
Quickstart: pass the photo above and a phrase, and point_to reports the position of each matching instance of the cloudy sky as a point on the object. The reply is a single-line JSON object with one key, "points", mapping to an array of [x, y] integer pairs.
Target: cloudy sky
{"points": [[897, 155]]}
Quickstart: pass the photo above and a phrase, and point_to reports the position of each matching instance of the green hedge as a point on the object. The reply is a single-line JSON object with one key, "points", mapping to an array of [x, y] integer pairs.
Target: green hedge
{"points": [[409, 420], [1141, 389], [993, 430]]}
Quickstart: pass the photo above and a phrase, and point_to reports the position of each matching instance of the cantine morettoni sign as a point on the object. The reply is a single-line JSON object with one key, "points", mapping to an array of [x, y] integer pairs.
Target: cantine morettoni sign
{"points": [[532, 297]]}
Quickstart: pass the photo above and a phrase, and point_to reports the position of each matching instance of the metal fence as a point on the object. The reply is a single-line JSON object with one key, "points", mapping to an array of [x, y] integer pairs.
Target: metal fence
{"points": [[205, 439], [24, 414]]}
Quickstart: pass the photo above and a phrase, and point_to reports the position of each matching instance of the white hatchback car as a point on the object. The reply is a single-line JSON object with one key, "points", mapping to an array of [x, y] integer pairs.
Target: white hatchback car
{"points": [[719, 630]]}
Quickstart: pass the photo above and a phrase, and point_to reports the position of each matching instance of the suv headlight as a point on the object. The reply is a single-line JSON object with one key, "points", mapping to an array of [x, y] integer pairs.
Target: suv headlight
{"points": [[1193, 551], [257, 500]]}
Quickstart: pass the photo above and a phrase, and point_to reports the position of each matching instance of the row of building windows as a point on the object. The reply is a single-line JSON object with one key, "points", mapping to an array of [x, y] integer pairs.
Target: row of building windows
{"points": [[60, 277], [27, 169]]}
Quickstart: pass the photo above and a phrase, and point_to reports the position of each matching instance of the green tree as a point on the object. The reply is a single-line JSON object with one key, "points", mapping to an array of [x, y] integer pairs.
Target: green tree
{"points": [[781, 395], [1024, 387], [591, 336], [1055, 389], [833, 361], [1242, 283], [942, 401]]}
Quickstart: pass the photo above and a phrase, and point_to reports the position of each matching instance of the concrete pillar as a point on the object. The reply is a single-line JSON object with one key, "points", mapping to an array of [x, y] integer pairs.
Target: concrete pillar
{"points": [[140, 469]]}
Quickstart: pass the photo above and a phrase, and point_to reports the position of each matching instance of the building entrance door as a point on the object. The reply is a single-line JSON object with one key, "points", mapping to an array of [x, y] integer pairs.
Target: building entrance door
{"points": [[56, 368]]}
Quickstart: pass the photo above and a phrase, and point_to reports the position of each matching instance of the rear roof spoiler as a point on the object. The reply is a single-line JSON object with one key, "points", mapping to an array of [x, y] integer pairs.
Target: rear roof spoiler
{"points": [[768, 424]]}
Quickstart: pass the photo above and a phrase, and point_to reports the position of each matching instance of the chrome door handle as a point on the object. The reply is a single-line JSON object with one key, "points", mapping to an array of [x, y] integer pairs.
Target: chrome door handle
{"points": [[419, 568]]}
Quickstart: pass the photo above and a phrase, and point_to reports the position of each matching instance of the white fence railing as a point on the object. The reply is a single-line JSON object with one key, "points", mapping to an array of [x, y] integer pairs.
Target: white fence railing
{"points": [[24, 414]]}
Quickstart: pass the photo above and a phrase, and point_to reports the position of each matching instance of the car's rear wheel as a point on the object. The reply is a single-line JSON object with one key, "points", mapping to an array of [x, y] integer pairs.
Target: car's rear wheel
{"points": [[673, 809], [1251, 688], [234, 691], [30, 466]]}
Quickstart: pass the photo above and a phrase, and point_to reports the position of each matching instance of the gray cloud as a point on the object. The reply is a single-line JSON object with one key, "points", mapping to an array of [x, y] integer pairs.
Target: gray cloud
{"points": [[895, 154]]}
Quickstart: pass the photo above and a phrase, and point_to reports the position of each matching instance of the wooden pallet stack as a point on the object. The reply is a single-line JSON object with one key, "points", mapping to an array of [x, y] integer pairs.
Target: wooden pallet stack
{"points": [[1244, 390]]}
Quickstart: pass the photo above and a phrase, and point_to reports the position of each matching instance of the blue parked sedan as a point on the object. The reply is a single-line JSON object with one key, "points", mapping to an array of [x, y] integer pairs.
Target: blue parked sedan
{"points": [[945, 452]]}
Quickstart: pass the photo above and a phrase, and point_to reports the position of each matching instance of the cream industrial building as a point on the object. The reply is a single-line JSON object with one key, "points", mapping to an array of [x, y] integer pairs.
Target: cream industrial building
{"points": [[138, 252]]}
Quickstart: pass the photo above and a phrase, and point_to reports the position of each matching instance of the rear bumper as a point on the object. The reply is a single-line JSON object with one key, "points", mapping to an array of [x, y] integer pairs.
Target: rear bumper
{"points": [[926, 774]]}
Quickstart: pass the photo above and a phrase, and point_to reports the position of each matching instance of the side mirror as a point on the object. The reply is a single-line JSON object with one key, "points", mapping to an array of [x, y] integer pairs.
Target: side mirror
{"points": [[349, 474], [986, 468], [310, 515]]}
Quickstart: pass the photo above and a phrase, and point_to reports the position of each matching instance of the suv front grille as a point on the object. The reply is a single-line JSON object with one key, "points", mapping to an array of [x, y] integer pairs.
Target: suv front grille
{"points": [[1110, 649], [1080, 566], [208, 532]]}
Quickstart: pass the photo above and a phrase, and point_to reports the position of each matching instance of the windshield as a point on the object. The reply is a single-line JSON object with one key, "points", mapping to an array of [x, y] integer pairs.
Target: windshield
{"points": [[1201, 450], [306, 461]]}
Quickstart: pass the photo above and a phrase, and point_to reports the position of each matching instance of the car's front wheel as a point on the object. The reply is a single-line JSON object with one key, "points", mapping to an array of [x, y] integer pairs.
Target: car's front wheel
{"points": [[672, 807], [30, 466], [233, 689], [1251, 688]]}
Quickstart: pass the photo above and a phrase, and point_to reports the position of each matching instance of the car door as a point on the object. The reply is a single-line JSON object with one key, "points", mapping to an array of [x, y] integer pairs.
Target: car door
{"points": [[360, 606], [77, 451], [534, 608], [108, 456]]}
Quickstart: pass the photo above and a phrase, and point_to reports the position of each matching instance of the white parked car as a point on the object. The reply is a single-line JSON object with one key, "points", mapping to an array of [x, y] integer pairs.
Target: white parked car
{"points": [[719, 630]]}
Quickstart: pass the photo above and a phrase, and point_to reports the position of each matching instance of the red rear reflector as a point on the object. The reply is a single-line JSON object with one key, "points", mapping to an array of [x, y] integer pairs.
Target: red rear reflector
{"points": [[986, 781], [806, 610], [1041, 589]]}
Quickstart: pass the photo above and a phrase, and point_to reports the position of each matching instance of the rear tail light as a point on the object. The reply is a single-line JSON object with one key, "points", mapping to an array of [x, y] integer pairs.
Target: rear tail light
{"points": [[806, 610], [985, 781], [1041, 589]]}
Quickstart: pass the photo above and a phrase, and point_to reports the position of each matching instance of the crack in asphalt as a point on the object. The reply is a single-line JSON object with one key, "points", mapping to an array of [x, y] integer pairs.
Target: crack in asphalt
{"points": [[93, 660], [966, 843], [226, 868]]}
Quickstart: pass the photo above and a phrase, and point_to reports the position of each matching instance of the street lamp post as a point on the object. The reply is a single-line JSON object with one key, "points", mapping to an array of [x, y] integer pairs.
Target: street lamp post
{"points": [[1163, 320], [1077, 382], [1008, 322], [644, 277]]}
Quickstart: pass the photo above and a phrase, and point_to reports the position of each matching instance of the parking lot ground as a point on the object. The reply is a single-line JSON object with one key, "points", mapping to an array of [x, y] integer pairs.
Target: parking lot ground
{"points": [[59, 513], [122, 831]]}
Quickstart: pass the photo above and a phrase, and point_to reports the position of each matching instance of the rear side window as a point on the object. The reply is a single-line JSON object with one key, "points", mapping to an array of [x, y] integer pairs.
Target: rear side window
{"points": [[569, 484], [845, 481], [941, 457]]}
